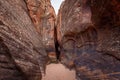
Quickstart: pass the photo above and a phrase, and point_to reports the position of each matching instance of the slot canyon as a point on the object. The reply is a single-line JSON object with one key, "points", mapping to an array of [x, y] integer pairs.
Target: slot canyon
{"points": [[81, 42]]}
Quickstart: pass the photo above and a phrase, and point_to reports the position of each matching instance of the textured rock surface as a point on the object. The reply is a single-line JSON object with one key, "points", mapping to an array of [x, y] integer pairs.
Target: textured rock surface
{"points": [[89, 37], [43, 16], [22, 55]]}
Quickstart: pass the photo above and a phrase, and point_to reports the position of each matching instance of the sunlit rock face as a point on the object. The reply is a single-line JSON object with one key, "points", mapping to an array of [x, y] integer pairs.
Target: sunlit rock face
{"points": [[22, 55], [43, 17], [89, 37]]}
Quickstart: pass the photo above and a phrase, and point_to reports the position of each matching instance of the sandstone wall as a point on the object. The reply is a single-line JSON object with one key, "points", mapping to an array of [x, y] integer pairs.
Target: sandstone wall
{"points": [[22, 55], [89, 37], [43, 17]]}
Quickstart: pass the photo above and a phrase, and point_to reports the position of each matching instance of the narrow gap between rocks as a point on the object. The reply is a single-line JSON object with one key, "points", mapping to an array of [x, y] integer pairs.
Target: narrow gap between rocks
{"points": [[55, 70]]}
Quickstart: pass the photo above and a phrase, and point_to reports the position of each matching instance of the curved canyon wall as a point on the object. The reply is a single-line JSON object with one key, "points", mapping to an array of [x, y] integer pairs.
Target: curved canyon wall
{"points": [[89, 38], [23, 26], [43, 16]]}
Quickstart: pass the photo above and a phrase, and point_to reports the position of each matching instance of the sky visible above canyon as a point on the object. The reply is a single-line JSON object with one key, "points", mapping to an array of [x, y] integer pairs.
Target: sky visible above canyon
{"points": [[56, 4]]}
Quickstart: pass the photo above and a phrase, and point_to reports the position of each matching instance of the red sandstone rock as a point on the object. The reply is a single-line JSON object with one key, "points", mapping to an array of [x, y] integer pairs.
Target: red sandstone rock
{"points": [[43, 16], [89, 36], [87, 33], [22, 55]]}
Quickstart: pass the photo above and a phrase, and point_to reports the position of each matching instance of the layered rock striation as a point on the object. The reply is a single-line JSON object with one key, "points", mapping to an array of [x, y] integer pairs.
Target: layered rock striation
{"points": [[22, 54], [89, 38], [43, 17], [86, 38]]}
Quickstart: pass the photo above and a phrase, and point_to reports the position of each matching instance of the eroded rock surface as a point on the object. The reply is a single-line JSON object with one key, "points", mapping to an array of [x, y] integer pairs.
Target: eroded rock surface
{"points": [[43, 17], [22, 55], [88, 33], [89, 37]]}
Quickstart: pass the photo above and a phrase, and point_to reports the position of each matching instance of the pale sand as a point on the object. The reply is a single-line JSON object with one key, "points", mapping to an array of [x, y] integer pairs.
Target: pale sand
{"points": [[58, 72]]}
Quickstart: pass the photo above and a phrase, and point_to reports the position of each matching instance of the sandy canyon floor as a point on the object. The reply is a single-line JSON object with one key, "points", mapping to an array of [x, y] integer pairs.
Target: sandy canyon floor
{"points": [[58, 72]]}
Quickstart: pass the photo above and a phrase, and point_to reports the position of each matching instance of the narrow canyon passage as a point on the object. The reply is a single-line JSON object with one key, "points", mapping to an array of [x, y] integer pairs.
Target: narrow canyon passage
{"points": [[83, 36]]}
